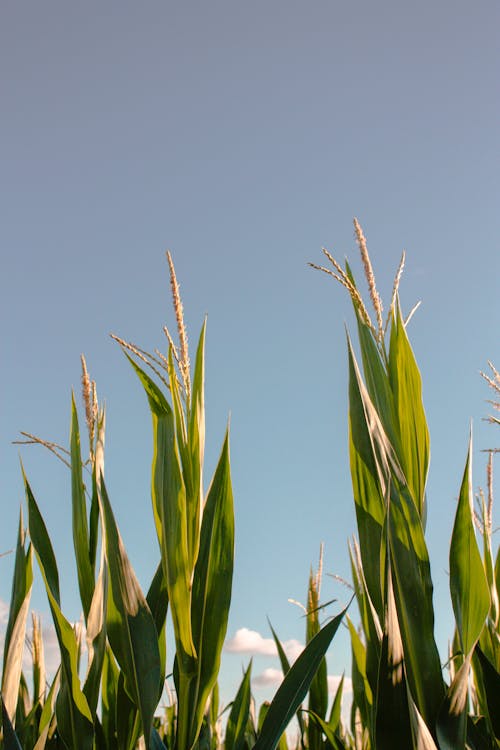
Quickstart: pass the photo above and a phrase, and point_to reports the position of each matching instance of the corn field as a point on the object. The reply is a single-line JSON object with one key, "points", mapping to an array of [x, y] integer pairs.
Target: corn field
{"points": [[404, 696]]}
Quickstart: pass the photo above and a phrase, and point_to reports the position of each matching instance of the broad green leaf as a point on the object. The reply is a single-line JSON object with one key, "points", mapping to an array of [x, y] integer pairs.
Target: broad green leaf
{"points": [[74, 718], [131, 629], [81, 541], [406, 386], [16, 625], [238, 716], [169, 507], [369, 473], [294, 687], [212, 586], [468, 585], [411, 578]]}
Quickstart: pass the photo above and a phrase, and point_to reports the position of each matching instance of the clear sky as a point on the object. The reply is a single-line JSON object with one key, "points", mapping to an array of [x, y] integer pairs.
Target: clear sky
{"points": [[244, 137]]}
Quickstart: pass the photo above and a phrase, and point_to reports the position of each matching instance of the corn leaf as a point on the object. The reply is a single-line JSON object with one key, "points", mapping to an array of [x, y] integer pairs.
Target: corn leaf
{"points": [[238, 716], [196, 428], [131, 629], [410, 569], [468, 584], [74, 718], [169, 507], [16, 625], [294, 687], [368, 473], [406, 386], [285, 666], [212, 586], [81, 541]]}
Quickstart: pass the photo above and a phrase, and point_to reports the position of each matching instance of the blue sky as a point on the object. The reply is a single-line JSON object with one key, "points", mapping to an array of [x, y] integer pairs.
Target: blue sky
{"points": [[244, 137]]}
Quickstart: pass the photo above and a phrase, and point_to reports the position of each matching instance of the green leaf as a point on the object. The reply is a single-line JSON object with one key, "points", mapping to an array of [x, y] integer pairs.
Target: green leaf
{"points": [[131, 629], [410, 569], [368, 448], [16, 625], [74, 718], [169, 507], [294, 687], [406, 385], [468, 585], [285, 666], [238, 716], [81, 541], [212, 586]]}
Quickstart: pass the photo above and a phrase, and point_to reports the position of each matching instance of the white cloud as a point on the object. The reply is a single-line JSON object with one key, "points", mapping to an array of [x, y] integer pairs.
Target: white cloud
{"points": [[268, 677], [4, 612], [251, 642]]}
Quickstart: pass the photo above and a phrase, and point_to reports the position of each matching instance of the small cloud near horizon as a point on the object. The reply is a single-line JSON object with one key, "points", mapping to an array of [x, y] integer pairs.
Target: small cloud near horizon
{"points": [[251, 642]]}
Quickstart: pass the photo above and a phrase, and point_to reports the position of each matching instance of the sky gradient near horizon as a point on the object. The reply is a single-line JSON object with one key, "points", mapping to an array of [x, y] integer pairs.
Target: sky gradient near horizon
{"points": [[244, 137]]}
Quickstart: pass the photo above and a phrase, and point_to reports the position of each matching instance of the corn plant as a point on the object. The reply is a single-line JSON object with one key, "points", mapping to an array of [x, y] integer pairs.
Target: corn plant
{"points": [[113, 706], [401, 698]]}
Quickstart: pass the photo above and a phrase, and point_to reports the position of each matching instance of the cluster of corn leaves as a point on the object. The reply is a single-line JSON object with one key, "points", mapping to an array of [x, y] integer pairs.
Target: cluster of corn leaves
{"points": [[401, 698], [124, 628], [113, 707]]}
